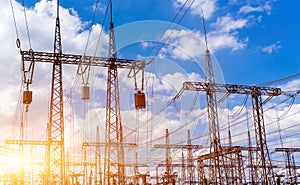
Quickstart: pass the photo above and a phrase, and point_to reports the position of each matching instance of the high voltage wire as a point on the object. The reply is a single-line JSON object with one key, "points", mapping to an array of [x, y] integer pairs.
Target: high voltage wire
{"points": [[92, 23], [19, 105], [238, 134], [18, 42], [160, 47], [280, 80], [161, 37], [15, 23], [270, 133], [202, 113], [81, 73], [168, 27], [168, 104], [153, 48], [266, 110], [26, 21], [236, 118], [280, 118]]}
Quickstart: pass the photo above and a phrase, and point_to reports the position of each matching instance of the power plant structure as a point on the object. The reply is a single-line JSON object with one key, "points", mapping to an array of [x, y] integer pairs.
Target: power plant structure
{"points": [[119, 155]]}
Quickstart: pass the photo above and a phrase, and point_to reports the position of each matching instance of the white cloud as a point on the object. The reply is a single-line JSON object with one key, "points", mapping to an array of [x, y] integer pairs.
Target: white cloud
{"points": [[177, 79], [41, 23], [249, 9], [227, 24], [187, 44], [101, 8], [208, 7], [226, 35], [184, 44], [74, 38], [291, 85], [219, 41], [272, 48]]}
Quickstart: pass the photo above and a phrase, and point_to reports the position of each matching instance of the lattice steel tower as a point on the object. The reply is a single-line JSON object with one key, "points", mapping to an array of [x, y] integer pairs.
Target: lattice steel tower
{"points": [[55, 160], [114, 172], [217, 173]]}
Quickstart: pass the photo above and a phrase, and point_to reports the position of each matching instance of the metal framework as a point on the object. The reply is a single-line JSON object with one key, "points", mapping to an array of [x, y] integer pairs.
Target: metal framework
{"points": [[22, 143], [114, 152], [113, 123], [168, 163], [99, 173], [290, 166], [264, 172], [98, 170], [55, 148], [55, 156], [190, 161]]}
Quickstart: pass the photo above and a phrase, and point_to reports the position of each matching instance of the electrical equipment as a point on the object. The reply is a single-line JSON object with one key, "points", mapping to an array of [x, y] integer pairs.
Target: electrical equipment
{"points": [[140, 100], [27, 97], [85, 92]]}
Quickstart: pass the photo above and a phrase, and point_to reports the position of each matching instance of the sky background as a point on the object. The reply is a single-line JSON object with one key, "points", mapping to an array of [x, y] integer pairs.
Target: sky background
{"points": [[251, 42]]}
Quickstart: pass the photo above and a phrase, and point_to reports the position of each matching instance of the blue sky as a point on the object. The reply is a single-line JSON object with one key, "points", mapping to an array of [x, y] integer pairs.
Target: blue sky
{"points": [[251, 42], [269, 35], [272, 33]]}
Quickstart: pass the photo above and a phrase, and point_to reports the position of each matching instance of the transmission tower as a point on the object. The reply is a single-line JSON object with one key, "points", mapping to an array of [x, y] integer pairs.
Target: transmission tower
{"points": [[190, 167], [217, 173], [55, 158], [169, 175], [98, 171], [114, 171], [114, 147], [264, 171]]}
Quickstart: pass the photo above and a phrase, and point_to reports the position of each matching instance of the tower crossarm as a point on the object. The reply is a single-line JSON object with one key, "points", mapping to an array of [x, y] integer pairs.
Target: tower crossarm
{"points": [[173, 165], [48, 57], [80, 163], [173, 146], [229, 88], [291, 150], [28, 142], [89, 144], [228, 150]]}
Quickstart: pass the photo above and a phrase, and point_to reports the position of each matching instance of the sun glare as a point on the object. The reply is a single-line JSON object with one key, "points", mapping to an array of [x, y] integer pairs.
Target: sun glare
{"points": [[11, 163]]}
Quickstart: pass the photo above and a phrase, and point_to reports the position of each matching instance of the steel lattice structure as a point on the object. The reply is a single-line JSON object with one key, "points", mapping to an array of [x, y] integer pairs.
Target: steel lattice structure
{"points": [[114, 149], [264, 172], [55, 156]]}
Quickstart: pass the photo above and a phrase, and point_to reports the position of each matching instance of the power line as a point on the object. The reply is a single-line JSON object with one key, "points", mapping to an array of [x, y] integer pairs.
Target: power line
{"points": [[280, 80], [26, 22], [163, 42], [15, 24]]}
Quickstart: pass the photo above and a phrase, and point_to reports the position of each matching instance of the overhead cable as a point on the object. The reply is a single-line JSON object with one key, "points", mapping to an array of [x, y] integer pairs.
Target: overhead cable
{"points": [[15, 24], [26, 22], [280, 80]]}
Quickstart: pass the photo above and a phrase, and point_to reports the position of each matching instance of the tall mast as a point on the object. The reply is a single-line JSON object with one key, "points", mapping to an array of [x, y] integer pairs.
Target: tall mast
{"points": [[215, 146], [114, 172], [55, 159]]}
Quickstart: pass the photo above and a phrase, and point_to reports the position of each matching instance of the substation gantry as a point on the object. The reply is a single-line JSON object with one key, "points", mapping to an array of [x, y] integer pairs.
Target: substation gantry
{"points": [[263, 167], [290, 166], [114, 147], [169, 176]]}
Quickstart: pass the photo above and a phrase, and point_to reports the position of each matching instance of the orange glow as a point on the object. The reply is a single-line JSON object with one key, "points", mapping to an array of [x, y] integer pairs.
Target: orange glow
{"points": [[11, 163], [14, 162]]}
